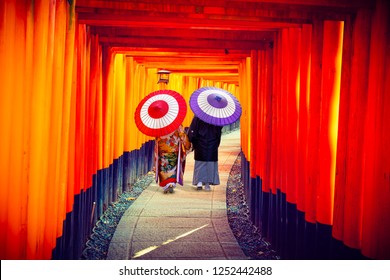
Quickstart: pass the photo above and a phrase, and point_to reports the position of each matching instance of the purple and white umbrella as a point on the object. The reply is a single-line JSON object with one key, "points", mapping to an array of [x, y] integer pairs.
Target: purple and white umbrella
{"points": [[215, 106]]}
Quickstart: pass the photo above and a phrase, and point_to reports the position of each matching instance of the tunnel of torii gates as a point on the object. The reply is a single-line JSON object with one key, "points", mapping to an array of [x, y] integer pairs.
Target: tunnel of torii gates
{"points": [[315, 127]]}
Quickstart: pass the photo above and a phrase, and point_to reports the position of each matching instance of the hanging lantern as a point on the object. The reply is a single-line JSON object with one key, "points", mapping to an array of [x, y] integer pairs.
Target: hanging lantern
{"points": [[163, 76]]}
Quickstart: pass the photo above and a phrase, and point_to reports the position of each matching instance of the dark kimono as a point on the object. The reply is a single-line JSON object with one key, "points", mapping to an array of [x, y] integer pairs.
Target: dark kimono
{"points": [[205, 139]]}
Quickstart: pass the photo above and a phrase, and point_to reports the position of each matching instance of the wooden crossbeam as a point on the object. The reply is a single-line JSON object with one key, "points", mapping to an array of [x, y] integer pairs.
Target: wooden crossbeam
{"points": [[202, 38], [162, 42]]}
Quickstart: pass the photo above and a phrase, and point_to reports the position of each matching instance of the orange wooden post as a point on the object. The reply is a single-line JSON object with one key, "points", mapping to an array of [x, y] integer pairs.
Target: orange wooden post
{"points": [[303, 122], [276, 87], [292, 107], [283, 111], [254, 111], [268, 118], [55, 70], [14, 127], [349, 149], [259, 140], [261, 105], [345, 92], [375, 242], [331, 74], [66, 184], [314, 121]]}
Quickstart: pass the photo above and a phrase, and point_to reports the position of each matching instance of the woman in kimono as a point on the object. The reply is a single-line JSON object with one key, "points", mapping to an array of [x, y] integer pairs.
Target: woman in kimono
{"points": [[170, 155]]}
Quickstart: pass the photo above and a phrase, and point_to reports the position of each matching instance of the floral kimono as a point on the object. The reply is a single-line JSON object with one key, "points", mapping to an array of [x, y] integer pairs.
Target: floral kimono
{"points": [[170, 154]]}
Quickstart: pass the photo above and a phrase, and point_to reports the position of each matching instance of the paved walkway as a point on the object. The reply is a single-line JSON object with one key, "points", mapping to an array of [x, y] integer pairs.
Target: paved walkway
{"points": [[187, 224]]}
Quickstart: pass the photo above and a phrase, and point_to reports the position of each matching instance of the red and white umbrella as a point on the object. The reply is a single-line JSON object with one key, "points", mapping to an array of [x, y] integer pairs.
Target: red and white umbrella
{"points": [[160, 112]]}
